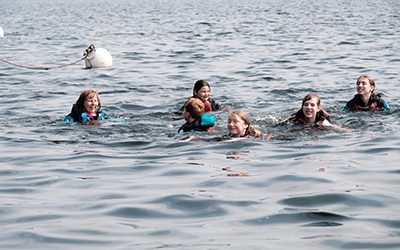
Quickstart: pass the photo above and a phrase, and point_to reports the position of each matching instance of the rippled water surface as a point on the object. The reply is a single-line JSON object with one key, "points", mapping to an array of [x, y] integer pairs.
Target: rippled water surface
{"points": [[131, 183]]}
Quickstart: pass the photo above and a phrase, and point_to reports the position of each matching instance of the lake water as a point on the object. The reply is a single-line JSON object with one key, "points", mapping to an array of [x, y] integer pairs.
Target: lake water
{"points": [[131, 183]]}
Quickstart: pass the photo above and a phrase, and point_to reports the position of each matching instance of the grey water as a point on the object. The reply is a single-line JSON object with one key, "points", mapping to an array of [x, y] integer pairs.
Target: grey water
{"points": [[132, 183]]}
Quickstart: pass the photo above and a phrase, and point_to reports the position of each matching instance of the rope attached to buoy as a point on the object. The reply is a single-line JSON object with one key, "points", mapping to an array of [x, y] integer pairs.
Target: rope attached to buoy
{"points": [[41, 68]]}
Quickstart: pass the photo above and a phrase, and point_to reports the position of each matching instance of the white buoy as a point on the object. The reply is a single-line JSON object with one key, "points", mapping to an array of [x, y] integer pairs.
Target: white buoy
{"points": [[1, 32], [97, 58]]}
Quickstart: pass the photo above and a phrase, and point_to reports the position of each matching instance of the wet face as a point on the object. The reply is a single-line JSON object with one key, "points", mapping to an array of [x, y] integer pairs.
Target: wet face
{"points": [[310, 109], [91, 104], [364, 87], [236, 125], [203, 93]]}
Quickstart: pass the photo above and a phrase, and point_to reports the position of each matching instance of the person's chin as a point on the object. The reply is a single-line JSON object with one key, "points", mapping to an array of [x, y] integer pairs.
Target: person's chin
{"points": [[233, 133], [309, 117]]}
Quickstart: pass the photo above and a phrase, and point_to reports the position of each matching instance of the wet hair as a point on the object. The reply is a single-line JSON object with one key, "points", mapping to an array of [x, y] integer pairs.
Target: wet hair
{"points": [[299, 115], [199, 84], [249, 130], [310, 96], [89, 93], [195, 107], [370, 80]]}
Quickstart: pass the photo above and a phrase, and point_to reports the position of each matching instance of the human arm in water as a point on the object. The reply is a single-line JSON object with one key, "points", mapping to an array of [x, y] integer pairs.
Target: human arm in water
{"points": [[327, 124]]}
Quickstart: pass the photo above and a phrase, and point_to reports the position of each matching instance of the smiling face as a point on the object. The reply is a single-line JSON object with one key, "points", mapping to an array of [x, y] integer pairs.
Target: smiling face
{"points": [[236, 125], [91, 104], [365, 87], [203, 93], [311, 108]]}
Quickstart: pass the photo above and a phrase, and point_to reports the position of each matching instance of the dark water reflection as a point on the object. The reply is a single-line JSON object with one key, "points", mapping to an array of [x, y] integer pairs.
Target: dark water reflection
{"points": [[131, 183]]}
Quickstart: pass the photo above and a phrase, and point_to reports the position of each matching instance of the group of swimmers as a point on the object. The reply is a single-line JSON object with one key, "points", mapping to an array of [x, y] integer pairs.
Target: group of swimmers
{"points": [[197, 110]]}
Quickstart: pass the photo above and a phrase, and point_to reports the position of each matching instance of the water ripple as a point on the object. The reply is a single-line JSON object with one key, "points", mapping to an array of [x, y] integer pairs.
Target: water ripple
{"points": [[310, 218], [330, 199], [132, 183]]}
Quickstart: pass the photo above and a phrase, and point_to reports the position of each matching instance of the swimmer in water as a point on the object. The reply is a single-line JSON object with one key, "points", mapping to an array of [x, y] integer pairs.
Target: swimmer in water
{"points": [[196, 118], [202, 91], [86, 108], [311, 113], [366, 99], [239, 126]]}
